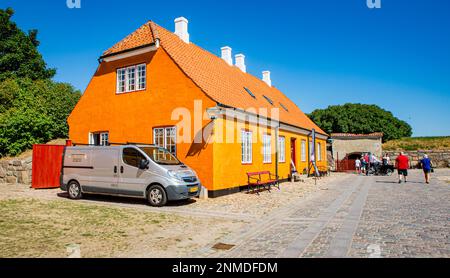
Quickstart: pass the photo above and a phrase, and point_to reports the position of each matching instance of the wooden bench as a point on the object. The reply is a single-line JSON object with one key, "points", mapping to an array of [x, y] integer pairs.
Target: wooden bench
{"points": [[261, 179]]}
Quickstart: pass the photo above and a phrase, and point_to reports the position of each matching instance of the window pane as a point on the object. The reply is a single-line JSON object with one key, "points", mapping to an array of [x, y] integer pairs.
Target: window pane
{"points": [[281, 150], [121, 80], [104, 139], [246, 145], [141, 77], [171, 140], [319, 152], [267, 148], [132, 157], [131, 80], [303, 150], [158, 139]]}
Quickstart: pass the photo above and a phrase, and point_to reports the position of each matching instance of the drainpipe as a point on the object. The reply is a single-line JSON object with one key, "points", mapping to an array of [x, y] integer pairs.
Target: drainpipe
{"points": [[277, 131]]}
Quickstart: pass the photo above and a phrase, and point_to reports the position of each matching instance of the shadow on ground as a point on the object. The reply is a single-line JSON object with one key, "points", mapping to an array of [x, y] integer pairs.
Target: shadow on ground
{"points": [[126, 200]]}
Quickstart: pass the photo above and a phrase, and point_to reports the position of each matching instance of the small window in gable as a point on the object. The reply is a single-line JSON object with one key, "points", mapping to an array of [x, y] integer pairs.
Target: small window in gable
{"points": [[131, 79], [249, 92], [268, 100]]}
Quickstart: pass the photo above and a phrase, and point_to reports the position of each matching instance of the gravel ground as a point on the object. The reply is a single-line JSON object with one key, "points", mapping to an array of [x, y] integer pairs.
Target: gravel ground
{"points": [[184, 228]]}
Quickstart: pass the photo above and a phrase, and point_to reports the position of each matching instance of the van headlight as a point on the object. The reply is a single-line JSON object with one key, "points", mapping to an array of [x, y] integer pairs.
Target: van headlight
{"points": [[174, 175]]}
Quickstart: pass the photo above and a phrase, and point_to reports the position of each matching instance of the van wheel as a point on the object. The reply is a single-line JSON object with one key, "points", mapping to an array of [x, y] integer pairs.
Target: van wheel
{"points": [[156, 196], [74, 190]]}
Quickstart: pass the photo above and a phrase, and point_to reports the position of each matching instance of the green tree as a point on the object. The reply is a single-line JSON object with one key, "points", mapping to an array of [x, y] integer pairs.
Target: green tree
{"points": [[36, 112], [360, 118], [19, 56]]}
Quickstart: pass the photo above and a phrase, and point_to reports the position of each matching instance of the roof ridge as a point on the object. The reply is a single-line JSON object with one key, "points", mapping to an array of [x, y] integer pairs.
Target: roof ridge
{"points": [[123, 41], [223, 83], [154, 30]]}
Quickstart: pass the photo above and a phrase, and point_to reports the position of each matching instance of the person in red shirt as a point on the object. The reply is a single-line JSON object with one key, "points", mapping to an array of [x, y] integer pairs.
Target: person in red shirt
{"points": [[402, 163]]}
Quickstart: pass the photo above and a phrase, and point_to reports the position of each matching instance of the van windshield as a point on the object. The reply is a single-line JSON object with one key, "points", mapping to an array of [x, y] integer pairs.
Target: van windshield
{"points": [[160, 155]]}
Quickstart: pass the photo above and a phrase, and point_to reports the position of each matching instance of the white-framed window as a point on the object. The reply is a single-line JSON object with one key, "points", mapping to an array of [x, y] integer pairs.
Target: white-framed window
{"points": [[303, 150], [281, 149], [121, 80], [99, 138], [246, 147], [319, 152], [166, 137], [267, 148], [131, 79], [142, 77], [311, 151]]}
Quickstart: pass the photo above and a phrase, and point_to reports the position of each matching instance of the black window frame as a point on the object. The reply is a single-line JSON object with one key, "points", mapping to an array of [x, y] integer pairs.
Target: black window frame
{"points": [[250, 92], [284, 107], [138, 160], [268, 99]]}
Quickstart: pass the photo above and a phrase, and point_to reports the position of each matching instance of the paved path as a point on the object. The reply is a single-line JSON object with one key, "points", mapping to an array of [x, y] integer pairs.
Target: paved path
{"points": [[356, 216]]}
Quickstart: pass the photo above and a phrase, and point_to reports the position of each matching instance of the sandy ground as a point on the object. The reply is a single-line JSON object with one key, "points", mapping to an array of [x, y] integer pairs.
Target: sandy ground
{"points": [[42, 223]]}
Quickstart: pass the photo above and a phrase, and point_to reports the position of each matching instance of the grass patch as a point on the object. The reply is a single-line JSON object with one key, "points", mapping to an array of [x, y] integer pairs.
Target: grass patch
{"points": [[35, 228], [418, 143]]}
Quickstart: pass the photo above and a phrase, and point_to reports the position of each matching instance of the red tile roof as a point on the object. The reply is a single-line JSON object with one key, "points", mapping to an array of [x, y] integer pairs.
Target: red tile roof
{"points": [[357, 136], [221, 82]]}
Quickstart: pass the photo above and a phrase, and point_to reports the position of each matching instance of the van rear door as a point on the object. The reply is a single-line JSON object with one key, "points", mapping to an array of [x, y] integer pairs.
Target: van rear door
{"points": [[105, 176]]}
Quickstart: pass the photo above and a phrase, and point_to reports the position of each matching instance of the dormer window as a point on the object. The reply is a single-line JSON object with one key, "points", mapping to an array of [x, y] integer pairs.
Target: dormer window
{"points": [[131, 79]]}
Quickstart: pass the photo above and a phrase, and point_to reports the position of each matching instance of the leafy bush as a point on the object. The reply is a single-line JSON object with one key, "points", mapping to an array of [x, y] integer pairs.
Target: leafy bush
{"points": [[35, 112], [33, 109], [360, 118]]}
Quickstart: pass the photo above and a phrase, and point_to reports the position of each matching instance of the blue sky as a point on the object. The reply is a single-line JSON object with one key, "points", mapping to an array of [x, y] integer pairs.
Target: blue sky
{"points": [[320, 52]]}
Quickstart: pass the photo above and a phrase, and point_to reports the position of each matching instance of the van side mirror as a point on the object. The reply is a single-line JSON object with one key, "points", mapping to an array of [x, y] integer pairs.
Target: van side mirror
{"points": [[143, 164]]}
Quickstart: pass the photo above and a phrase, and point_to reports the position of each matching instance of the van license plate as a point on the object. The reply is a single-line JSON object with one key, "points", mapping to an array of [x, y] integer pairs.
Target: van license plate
{"points": [[193, 189]]}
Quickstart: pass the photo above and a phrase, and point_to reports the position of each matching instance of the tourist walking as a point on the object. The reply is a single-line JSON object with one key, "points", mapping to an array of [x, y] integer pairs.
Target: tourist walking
{"points": [[367, 162], [386, 160], [426, 167], [402, 164], [358, 166]]}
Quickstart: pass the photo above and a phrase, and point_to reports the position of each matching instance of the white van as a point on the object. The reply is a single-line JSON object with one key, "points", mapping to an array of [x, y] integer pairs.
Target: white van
{"points": [[140, 171]]}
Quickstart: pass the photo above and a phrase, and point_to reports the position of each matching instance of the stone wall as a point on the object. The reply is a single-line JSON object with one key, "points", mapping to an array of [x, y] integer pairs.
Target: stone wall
{"points": [[440, 159], [15, 171], [342, 147]]}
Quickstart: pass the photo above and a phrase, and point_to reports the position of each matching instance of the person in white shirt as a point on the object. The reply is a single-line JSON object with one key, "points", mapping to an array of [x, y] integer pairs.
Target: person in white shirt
{"points": [[358, 166]]}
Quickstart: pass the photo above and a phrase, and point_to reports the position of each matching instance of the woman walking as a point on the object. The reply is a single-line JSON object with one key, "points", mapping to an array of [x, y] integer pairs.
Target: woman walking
{"points": [[426, 167]]}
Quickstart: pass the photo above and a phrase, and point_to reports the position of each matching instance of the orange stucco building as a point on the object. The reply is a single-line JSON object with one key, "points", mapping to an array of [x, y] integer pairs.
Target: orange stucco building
{"points": [[157, 87]]}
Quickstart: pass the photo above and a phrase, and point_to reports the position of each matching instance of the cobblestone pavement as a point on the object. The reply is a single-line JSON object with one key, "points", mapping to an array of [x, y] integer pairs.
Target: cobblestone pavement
{"points": [[356, 216]]}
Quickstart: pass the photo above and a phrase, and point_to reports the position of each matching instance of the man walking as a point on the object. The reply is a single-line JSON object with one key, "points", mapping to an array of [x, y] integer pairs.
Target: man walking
{"points": [[367, 163], [402, 164], [426, 167]]}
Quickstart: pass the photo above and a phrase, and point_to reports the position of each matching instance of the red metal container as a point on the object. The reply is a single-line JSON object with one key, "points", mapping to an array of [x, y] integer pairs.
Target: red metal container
{"points": [[47, 164]]}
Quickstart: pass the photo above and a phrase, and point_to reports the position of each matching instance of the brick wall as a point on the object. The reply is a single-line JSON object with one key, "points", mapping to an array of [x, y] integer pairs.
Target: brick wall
{"points": [[342, 147]]}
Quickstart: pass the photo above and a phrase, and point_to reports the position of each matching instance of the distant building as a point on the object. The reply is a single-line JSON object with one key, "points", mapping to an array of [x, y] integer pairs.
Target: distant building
{"points": [[351, 146]]}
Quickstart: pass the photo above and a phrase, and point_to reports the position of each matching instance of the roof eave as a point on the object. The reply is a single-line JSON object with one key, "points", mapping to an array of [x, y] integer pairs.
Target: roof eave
{"points": [[150, 45]]}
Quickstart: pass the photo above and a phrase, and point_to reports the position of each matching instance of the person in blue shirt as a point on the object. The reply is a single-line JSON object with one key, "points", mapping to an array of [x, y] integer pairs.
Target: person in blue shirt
{"points": [[426, 167]]}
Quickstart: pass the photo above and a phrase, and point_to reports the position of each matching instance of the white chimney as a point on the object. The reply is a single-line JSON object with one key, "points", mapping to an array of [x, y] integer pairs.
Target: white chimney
{"points": [[181, 29], [266, 78], [226, 55], [240, 62]]}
